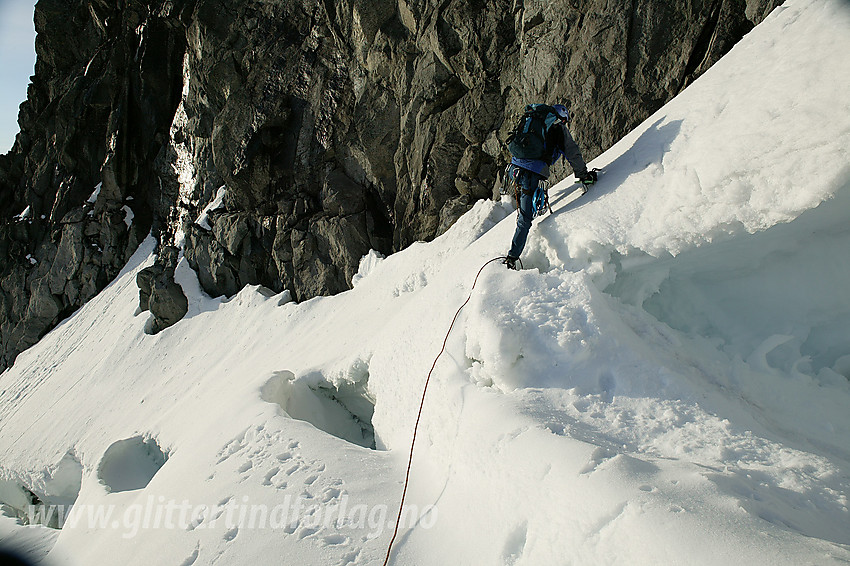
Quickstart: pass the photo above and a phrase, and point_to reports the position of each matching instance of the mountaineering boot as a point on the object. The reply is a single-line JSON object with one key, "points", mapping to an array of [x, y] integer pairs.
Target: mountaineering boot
{"points": [[511, 262]]}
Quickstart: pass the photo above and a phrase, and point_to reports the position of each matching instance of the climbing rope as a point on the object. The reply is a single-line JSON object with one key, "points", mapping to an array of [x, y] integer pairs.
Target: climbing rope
{"points": [[422, 403]]}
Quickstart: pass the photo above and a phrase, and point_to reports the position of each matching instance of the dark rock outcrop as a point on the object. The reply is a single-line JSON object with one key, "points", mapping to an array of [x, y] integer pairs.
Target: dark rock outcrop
{"points": [[97, 114], [320, 129], [160, 294]]}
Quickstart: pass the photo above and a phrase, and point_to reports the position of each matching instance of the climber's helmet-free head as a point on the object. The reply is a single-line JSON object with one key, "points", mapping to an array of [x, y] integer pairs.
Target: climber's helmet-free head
{"points": [[562, 112]]}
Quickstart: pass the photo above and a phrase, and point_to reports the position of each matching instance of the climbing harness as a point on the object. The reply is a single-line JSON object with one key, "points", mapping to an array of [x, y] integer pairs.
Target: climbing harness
{"points": [[540, 200]]}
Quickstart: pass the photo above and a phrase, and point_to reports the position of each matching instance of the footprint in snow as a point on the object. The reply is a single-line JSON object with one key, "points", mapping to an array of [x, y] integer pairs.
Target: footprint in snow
{"points": [[270, 474], [607, 384], [335, 539], [192, 557], [230, 449], [221, 508], [330, 494], [307, 531], [515, 545], [291, 527]]}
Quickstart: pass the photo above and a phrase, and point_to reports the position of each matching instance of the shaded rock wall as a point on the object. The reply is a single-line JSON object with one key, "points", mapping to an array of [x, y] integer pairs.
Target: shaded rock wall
{"points": [[105, 88], [278, 141]]}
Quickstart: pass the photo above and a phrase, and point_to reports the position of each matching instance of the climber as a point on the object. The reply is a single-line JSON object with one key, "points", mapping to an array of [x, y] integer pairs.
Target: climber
{"points": [[530, 171]]}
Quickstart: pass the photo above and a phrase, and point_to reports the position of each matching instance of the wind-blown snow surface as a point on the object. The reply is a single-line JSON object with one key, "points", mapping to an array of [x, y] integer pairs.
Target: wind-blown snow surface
{"points": [[665, 383]]}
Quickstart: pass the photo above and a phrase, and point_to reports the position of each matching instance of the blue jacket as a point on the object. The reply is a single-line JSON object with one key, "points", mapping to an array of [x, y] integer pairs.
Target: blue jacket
{"points": [[560, 143]]}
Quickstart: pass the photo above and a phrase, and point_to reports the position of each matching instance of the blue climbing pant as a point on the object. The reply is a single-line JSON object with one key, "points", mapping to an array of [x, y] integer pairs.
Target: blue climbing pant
{"points": [[528, 182]]}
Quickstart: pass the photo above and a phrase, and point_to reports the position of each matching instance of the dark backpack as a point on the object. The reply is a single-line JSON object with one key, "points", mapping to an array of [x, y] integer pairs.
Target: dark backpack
{"points": [[528, 139]]}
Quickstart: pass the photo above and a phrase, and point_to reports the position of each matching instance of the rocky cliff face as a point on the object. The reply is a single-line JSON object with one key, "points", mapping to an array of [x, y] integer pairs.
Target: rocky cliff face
{"points": [[278, 141]]}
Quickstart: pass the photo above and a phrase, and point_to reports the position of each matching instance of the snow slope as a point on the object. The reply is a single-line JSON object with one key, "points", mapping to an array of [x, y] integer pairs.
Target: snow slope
{"points": [[666, 382]]}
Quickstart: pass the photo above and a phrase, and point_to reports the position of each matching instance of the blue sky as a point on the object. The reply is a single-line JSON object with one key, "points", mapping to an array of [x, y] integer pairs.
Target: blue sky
{"points": [[17, 59]]}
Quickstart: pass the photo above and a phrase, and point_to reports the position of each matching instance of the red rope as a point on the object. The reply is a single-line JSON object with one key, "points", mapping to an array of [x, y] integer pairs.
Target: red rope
{"points": [[422, 403]]}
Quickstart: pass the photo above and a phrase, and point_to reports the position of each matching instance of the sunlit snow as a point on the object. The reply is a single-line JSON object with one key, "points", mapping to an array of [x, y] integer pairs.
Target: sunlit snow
{"points": [[666, 382]]}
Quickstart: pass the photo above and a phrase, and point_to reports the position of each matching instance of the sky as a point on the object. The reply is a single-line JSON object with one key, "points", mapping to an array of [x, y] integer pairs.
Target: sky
{"points": [[17, 61]]}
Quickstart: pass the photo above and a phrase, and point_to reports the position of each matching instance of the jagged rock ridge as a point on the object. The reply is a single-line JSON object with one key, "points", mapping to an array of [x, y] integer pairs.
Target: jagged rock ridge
{"points": [[318, 129]]}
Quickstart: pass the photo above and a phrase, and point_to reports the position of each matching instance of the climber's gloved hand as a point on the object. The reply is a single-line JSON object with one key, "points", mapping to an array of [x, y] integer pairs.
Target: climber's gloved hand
{"points": [[587, 178]]}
